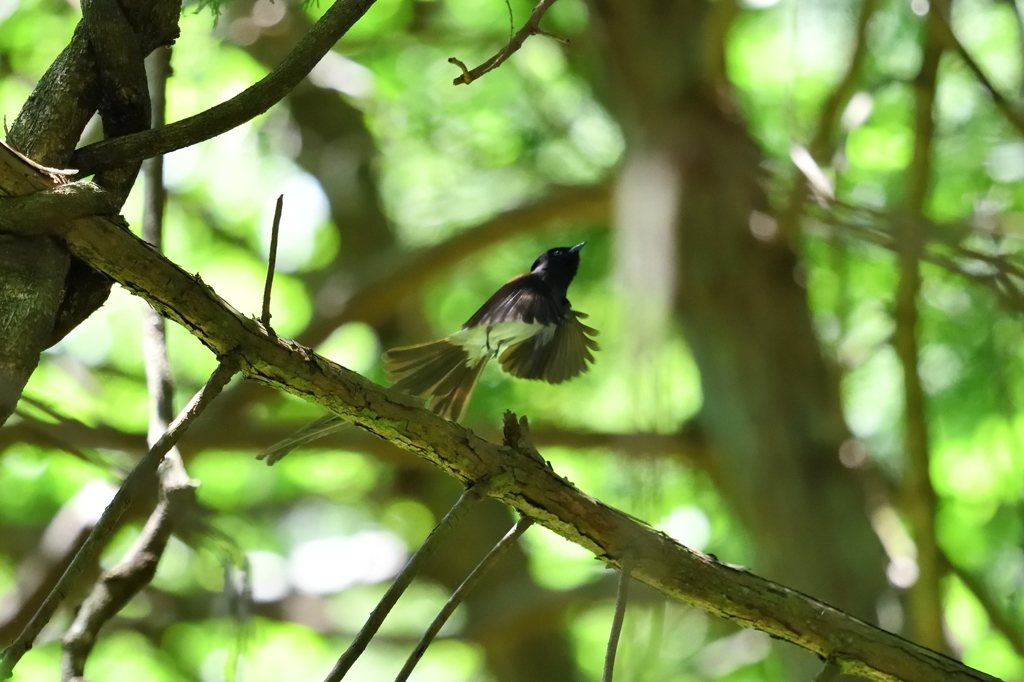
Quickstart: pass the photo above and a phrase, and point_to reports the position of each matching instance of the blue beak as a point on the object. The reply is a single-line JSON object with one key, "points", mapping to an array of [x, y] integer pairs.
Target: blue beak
{"points": [[576, 248]]}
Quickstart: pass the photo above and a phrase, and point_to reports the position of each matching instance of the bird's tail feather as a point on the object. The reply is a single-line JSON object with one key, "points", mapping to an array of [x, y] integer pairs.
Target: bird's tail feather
{"points": [[307, 434], [440, 371]]}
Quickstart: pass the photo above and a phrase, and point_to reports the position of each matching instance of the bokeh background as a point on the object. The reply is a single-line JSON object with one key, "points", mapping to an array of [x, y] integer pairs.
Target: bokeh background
{"points": [[749, 397]]}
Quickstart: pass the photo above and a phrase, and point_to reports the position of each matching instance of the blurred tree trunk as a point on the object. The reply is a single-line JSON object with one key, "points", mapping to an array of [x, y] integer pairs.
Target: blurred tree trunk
{"points": [[771, 404]]}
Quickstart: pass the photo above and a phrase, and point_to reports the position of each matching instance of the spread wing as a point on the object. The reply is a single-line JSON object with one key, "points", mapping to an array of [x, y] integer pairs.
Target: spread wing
{"points": [[526, 298], [554, 356]]}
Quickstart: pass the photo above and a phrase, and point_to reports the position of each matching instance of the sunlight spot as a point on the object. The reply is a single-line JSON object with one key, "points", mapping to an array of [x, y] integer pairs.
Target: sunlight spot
{"points": [[269, 576], [306, 209], [728, 654], [902, 572], [858, 110], [690, 526], [763, 226], [329, 565], [336, 72]]}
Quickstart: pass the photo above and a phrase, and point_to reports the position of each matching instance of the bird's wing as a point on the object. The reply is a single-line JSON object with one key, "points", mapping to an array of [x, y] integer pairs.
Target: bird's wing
{"points": [[554, 357], [525, 298]]}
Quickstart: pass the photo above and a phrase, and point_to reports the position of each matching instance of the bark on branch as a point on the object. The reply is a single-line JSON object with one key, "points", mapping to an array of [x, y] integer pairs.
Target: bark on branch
{"points": [[518, 479]]}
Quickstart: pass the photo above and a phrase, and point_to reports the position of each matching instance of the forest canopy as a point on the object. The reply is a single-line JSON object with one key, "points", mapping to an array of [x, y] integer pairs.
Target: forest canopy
{"points": [[803, 225]]}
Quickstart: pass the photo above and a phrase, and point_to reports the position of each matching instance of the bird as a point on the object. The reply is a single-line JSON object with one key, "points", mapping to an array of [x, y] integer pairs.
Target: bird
{"points": [[528, 325]]}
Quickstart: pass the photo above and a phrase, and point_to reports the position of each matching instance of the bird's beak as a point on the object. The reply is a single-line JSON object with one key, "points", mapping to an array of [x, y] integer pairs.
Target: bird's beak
{"points": [[576, 248]]}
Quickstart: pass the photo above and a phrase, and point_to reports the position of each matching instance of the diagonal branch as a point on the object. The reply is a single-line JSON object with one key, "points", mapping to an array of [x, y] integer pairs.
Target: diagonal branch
{"points": [[460, 593], [1009, 111], [248, 104], [519, 480], [466, 502], [531, 27]]}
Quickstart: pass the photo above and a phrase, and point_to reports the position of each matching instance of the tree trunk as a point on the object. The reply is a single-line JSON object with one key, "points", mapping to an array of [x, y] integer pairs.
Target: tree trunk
{"points": [[771, 404]]}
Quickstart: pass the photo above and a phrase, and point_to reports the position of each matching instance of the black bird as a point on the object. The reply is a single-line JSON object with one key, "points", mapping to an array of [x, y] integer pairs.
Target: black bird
{"points": [[528, 324]]}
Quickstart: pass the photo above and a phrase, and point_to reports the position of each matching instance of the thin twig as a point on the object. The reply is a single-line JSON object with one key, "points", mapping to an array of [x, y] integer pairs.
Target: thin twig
{"points": [[999, 616], [823, 141], [467, 501], [271, 264], [460, 594], [511, 20], [108, 523], [621, 597], [154, 340], [1004, 105], [1001, 281], [531, 27]]}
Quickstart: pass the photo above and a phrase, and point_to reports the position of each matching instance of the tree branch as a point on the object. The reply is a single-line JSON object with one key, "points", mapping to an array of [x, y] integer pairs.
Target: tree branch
{"points": [[467, 501], [917, 496], [822, 143], [124, 100], [1006, 107], [248, 104], [621, 599], [521, 481], [531, 27], [117, 586], [460, 593]]}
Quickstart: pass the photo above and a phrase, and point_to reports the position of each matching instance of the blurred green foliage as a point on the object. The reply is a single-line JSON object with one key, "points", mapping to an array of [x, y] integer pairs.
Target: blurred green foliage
{"points": [[449, 158]]}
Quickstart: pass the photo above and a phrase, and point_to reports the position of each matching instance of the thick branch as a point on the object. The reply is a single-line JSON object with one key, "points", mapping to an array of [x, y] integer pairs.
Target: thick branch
{"points": [[124, 97], [519, 480], [53, 206], [248, 104]]}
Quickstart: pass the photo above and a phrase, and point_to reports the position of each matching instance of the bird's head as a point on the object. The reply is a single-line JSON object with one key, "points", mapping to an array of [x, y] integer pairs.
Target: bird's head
{"points": [[558, 266]]}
